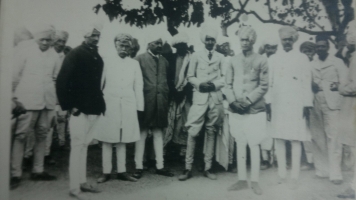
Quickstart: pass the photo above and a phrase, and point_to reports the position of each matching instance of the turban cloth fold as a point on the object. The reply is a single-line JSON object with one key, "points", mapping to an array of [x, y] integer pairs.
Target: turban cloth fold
{"points": [[88, 29], [307, 45], [63, 35], [123, 38], [181, 37], [288, 31], [208, 31], [351, 33], [151, 37], [249, 32], [43, 30]]}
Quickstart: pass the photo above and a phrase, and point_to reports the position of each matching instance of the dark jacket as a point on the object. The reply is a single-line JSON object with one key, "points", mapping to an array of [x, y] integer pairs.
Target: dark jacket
{"points": [[79, 81], [155, 90]]}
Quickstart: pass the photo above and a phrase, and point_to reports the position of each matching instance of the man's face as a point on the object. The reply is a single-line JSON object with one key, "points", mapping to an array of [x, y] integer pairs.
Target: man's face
{"points": [[123, 48], [93, 39], [44, 42], [322, 48], [225, 48], [309, 52], [270, 49], [287, 43], [59, 45], [209, 43], [156, 46], [246, 44]]}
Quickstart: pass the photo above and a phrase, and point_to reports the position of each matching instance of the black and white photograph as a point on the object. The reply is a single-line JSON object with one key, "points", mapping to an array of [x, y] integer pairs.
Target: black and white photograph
{"points": [[177, 99]]}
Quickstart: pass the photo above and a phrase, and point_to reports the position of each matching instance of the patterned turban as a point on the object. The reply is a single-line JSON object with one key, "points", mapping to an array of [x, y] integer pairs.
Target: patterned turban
{"points": [[88, 29], [43, 30], [249, 32], [208, 31], [351, 33], [307, 45], [181, 37], [288, 31], [61, 35], [123, 38]]}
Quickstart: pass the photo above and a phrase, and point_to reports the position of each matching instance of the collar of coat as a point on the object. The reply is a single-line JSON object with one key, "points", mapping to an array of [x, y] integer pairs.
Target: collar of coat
{"points": [[204, 55], [91, 48], [150, 52], [328, 62]]}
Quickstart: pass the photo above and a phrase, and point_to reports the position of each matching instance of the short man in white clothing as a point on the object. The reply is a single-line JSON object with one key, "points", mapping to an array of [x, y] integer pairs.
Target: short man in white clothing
{"points": [[247, 83]]}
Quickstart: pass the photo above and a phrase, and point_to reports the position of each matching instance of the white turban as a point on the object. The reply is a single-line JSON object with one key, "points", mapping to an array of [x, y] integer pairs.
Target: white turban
{"points": [[249, 32], [208, 31], [223, 39], [351, 33], [271, 42], [123, 37], [88, 29], [61, 35], [42, 30], [151, 37], [181, 37], [288, 31]]}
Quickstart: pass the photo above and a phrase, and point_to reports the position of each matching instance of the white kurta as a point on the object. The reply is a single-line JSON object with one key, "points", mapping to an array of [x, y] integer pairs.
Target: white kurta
{"points": [[123, 94], [290, 92]]}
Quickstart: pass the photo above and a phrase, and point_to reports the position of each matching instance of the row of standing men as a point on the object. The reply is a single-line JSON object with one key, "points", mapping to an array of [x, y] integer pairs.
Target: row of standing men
{"points": [[129, 99]]}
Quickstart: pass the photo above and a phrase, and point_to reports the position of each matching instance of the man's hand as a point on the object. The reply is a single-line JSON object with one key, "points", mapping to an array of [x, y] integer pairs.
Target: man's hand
{"points": [[315, 87], [334, 86], [75, 112], [306, 113], [236, 107], [204, 87], [244, 102], [268, 112], [19, 109], [211, 87]]}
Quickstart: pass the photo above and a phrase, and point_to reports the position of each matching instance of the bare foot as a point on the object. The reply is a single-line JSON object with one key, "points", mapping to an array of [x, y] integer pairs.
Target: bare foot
{"points": [[239, 185]]}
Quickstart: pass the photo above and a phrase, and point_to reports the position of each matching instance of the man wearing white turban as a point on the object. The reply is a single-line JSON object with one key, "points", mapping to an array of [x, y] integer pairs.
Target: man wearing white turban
{"points": [[79, 90], [36, 91], [206, 75], [247, 83], [347, 117], [290, 99], [154, 118]]}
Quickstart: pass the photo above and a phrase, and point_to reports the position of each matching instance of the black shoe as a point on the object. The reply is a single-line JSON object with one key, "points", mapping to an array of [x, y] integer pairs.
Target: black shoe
{"points": [[210, 174], [138, 174], [126, 177], [103, 178], [164, 172], [15, 182], [44, 176], [186, 175], [265, 165]]}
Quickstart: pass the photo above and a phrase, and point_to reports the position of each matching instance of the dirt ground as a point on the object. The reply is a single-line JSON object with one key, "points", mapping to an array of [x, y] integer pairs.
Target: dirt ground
{"points": [[155, 187]]}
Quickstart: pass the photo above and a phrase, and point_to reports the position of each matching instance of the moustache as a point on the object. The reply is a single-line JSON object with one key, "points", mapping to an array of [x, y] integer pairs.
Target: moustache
{"points": [[123, 52]]}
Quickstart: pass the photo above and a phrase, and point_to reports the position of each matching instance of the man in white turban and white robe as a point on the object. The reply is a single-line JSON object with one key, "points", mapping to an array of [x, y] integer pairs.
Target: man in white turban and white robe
{"points": [[34, 86], [205, 73], [291, 98], [247, 83], [123, 94]]}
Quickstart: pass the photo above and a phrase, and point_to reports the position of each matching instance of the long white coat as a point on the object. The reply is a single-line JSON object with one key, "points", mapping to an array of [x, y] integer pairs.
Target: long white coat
{"points": [[123, 94], [290, 92]]}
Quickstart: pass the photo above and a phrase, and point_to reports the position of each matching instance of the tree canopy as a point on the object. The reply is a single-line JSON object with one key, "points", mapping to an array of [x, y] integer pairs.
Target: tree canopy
{"points": [[305, 15]]}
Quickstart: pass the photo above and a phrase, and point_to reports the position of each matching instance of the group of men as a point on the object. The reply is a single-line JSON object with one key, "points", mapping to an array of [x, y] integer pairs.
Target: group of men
{"points": [[251, 99]]}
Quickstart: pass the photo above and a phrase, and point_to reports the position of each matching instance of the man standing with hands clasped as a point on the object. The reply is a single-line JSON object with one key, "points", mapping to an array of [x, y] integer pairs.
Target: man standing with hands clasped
{"points": [[79, 90], [206, 76], [247, 83]]}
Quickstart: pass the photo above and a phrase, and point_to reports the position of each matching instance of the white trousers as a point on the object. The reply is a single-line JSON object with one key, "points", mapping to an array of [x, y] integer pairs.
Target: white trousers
{"points": [[241, 161], [281, 158], [120, 157], [81, 136], [158, 147]]}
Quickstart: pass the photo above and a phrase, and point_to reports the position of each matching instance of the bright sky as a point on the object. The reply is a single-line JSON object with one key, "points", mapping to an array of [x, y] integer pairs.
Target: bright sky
{"points": [[72, 15]]}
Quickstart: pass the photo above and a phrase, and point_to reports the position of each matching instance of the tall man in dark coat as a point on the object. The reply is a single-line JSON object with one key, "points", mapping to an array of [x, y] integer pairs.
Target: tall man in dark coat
{"points": [[79, 90], [154, 118]]}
